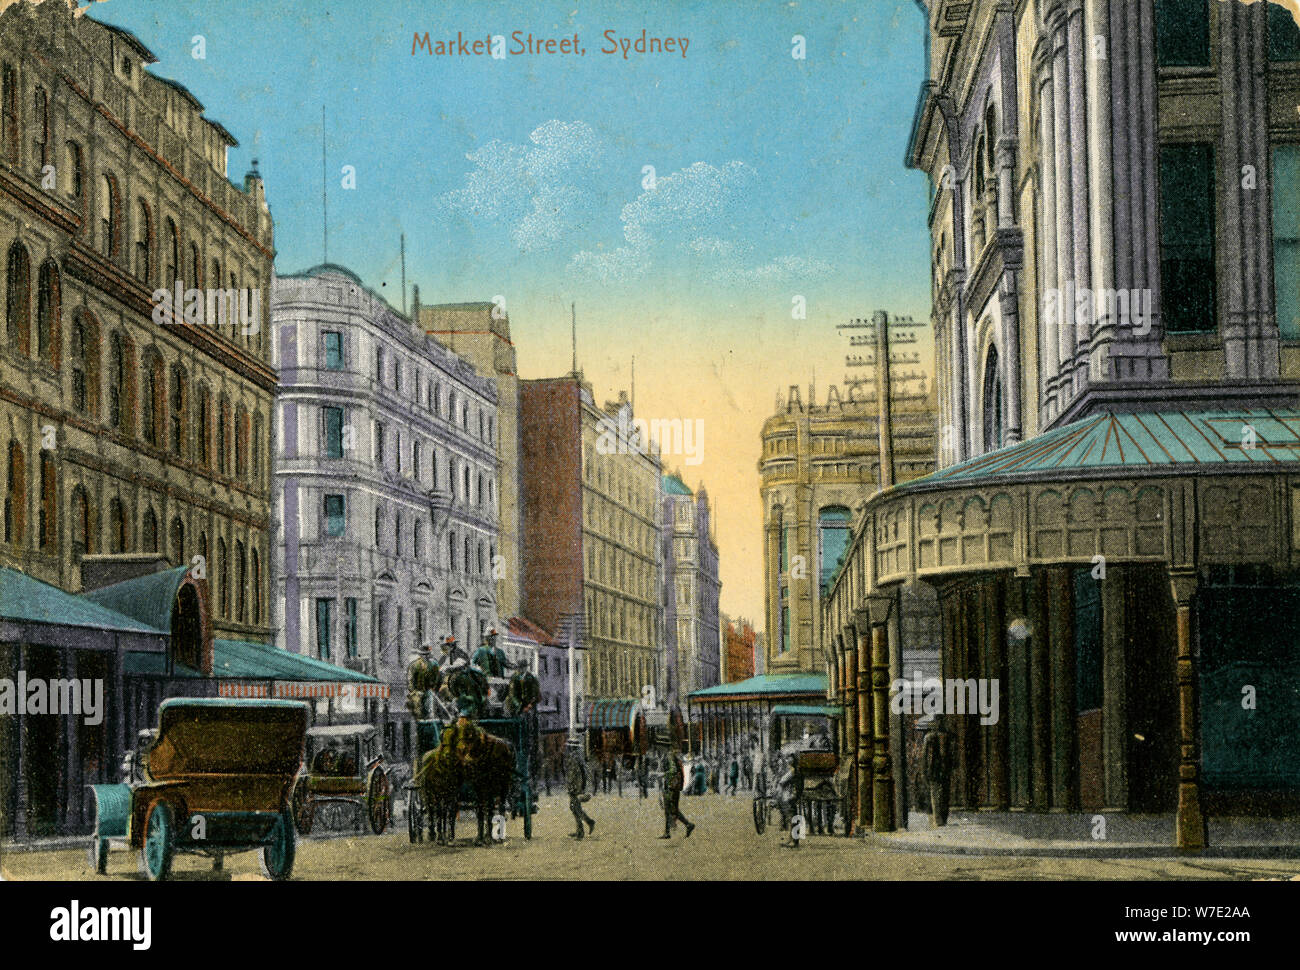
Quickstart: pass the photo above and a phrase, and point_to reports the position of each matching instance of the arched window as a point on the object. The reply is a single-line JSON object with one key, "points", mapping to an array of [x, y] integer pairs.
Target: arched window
{"points": [[109, 208], [177, 538], [451, 550], [257, 588], [48, 300], [993, 421], [397, 534], [40, 129], [379, 528], [241, 582], [417, 539], [118, 540], [83, 535], [179, 395], [85, 364], [203, 444], [47, 527], [173, 253], [991, 143], [256, 449], [155, 395], [120, 370], [9, 97], [203, 551], [15, 496], [143, 242], [223, 434], [72, 169], [223, 579], [832, 540], [18, 303], [149, 531], [195, 267], [241, 442]]}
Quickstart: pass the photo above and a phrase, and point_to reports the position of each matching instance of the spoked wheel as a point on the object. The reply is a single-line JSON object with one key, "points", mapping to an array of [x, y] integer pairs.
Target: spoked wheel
{"points": [[277, 857], [414, 815], [304, 808], [377, 801], [760, 814], [159, 842]]}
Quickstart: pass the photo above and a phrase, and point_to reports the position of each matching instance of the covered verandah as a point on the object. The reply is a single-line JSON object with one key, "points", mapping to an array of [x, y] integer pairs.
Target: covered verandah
{"points": [[1130, 583]]}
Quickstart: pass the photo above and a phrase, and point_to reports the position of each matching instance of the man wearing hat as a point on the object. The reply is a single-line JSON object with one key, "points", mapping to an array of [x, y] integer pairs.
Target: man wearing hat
{"points": [[467, 683], [577, 786], [423, 678], [674, 775]]}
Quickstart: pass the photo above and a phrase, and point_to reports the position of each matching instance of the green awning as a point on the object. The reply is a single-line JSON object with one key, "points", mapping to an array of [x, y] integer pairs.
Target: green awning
{"points": [[28, 600], [244, 660], [765, 685], [148, 599], [809, 710], [612, 714], [1169, 442]]}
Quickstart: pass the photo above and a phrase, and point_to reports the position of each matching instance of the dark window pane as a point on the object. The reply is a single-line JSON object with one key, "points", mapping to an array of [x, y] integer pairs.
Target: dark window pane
{"points": [[333, 350], [333, 432], [1183, 33], [334, 515], [1283, 35], [1187, 238]]}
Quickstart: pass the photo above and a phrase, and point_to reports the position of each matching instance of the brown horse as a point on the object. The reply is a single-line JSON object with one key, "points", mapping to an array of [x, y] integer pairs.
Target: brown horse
{"points": [[489, 774], [468, 765], [440, 778]]}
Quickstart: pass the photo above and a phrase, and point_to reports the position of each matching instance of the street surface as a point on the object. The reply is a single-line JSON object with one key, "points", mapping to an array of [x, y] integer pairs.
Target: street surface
{"points": [[626, 846]]}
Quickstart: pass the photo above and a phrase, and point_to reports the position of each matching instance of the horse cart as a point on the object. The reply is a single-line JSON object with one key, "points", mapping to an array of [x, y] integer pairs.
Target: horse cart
{"points": [[345, 766], [816, 784], [216, 781], [429, 735]]}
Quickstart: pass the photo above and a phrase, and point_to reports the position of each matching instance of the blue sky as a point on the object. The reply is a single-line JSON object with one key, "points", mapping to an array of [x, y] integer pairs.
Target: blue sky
{"points": [[776, 178]]}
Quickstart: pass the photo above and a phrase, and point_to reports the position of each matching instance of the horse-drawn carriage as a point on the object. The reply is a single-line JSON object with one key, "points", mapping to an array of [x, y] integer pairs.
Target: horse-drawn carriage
{"points": [[216, 780], [345, 766], [456, 770], [816, 783]]}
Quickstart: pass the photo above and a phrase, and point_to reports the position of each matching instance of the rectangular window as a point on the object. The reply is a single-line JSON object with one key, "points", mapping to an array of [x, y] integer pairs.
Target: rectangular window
{"points": [[333, 420], [1183, 33], [1187, 238], [334, 519], [324, 616], [333, 350], [379, 443], [1286, 239], [1283, 35], [379, 365], [785, 620], [350, 608]]}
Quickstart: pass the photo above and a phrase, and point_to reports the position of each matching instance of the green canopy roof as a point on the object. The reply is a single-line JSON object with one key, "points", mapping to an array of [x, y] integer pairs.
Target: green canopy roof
{"points": [[771, 685], [673, 485], [29, 600], [147, 599], [808, 710], [242, 660], [1168, 441]]}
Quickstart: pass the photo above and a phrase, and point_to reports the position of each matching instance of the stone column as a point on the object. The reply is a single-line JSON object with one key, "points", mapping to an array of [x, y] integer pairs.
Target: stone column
{"points": [[1060, 610], [882, 789], [866, 778], [1065, 273], [1019, 635], [850, 718], [1009, 304], [1079, 215], [1040, 694], [1114, 713], [1049, 312], [1190, 829]]}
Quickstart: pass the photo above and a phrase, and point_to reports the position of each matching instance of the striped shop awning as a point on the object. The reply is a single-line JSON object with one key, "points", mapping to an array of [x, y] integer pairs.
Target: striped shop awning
{"points": [[612, 714], [303, 689]]}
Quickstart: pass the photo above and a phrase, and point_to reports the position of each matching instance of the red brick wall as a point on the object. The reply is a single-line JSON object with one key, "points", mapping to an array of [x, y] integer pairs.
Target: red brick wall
{"points": [[550, 473]]}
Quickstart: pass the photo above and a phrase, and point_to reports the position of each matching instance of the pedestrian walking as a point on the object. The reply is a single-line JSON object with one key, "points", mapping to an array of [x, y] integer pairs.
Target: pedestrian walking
{"points": [[643, 775], [577, 787], [673, 776], [747, 772], [733, 775]]}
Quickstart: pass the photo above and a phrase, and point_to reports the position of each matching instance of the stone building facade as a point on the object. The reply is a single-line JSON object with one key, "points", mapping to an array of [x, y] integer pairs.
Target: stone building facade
{"points": [[819, 463], [692, 625], [386, 482], [122, 429], [1113, 537], [590, 497]]}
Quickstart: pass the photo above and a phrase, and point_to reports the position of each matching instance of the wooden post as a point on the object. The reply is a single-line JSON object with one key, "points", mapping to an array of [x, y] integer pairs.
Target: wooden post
{"points": [[1190, 830], [865, 779], [1060, 609], [1114, 704], [1040, 705], [850, 716], [882, 788]]}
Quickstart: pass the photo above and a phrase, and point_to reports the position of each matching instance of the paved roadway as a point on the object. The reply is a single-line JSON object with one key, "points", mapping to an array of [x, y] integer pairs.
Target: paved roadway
{"points": [[625, 846]]}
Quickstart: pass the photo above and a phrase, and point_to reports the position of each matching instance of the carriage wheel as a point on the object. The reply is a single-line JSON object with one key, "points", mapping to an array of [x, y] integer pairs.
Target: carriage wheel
{"points": [[277, 857], [377, 801], [760, 814], [159, 842], [414, 816], [304, 807]]}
